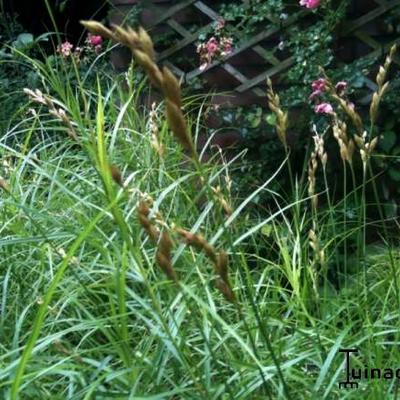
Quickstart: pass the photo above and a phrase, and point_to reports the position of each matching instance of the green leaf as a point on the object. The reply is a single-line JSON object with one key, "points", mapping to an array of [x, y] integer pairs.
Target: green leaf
{"points": [[359, 81], [394, 173], [388, 141], [325, 369], [63, 6], [255, 121], [396, 151], [389, 124], [25, 38], [266, 230], [390, 209], [271, 119]]}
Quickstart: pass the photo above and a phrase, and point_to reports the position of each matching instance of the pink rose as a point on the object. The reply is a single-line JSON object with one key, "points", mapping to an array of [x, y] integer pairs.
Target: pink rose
{"points": [[226, 43], [212, 46], [220, 23], [341, 86], [65, 49], [323, 108], [315, 93], [319, 84], [310, 3], [94, 40], [200, 48]]}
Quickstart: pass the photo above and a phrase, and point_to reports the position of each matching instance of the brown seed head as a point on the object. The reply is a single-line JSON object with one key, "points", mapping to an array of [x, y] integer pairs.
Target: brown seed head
{"points": [[4, 185], [146, 43], [163, 256], [225, 290], [171, 87], [116, 175], [144, 220], [178, 126], [151, 69], [98, 29]]}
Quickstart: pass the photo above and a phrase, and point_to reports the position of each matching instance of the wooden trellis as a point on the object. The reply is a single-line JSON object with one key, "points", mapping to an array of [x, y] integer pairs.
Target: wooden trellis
{"points": [[362, 29]]}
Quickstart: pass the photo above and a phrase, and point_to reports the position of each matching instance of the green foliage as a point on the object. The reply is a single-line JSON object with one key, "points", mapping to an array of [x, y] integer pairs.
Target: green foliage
{"points": [[14, 73], [245, 18], [20, 50], [311, 49], [311, 42], [86, 311]]}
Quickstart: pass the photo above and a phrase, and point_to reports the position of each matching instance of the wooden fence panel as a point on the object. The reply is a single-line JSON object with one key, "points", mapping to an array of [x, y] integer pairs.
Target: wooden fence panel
{"points": [[235, 70]]}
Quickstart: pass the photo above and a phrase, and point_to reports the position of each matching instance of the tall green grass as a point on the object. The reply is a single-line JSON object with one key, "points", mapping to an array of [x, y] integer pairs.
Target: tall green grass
{"points": [[86, 312]]}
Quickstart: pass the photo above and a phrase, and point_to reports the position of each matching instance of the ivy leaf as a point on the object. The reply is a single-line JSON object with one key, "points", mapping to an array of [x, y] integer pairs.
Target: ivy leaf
{"points": [[271, 119], [358, 81], [23, 41], [388, 141], [255, 121], [25, 38]]}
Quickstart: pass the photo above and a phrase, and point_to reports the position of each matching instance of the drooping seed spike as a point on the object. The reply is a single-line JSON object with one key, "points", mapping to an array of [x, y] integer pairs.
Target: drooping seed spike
{"points": [[116, 175], [147, 43], [171, 87], [98, 28]]}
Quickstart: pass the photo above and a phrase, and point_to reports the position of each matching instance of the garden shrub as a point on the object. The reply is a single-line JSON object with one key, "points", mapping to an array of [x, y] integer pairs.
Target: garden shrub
{"points": [[14, 73], [313, 42]]}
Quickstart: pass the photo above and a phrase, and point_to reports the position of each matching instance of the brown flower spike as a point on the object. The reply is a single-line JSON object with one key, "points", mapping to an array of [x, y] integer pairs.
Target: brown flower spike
{"points": [[141, 46], [220, 261], [282, 119], [163, 239]]}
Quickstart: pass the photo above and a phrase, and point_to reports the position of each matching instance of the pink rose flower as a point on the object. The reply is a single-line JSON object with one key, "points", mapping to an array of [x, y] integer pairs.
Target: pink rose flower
{"points": [[315, 93], [323, 108], [319, 84], [200, 48], [226, 44], [341, 86], [212, 46], [94, 40], [65, 49], [311, 4], [213, 49], [220, 23], [205, 57]]}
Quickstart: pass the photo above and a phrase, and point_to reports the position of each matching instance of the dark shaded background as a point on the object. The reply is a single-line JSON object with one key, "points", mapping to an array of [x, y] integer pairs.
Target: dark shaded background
{"points": [[34, 16]]}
